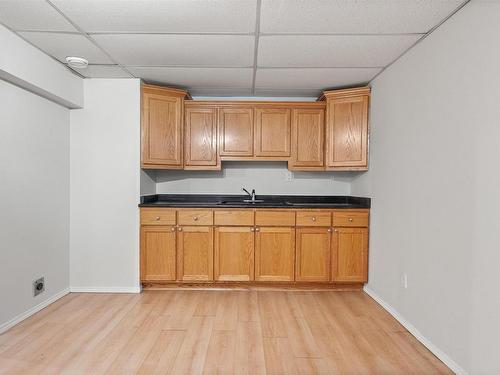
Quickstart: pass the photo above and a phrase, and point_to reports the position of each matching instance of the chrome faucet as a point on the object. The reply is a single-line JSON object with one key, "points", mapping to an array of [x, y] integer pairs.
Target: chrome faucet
{"points": [[251, 195]]}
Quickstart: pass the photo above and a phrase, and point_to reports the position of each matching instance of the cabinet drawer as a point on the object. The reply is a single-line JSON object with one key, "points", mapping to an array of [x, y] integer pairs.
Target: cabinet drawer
{"points": [[313, 219], [350, 219], [275, 218], [234, 217], [195, 217], [157, 216]]}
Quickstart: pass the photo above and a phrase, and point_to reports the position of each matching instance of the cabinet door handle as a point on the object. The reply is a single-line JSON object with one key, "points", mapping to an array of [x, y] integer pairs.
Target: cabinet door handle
{"points": [[257, 229], [329, 230], [172, 229], [179, 229], [252, 229], [350, 219], [313, 218]]}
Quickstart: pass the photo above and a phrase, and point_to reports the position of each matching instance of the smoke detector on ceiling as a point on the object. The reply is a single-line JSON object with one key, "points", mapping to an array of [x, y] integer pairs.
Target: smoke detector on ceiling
{"points": [[77, 62]]}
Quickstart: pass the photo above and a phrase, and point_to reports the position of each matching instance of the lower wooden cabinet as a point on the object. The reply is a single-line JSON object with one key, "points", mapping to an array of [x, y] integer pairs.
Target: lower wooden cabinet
{"points": [[234, 254], [158, 253], [350, 255], [242, 245], [274, 253], [195, 249], [312, 254]]}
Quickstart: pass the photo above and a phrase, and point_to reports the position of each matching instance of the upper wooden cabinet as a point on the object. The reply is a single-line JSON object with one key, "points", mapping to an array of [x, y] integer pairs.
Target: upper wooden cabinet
{"points": [[329, 134], [200, 148], [347, 129], [272, 132], [235, 131], [161, 127], [308, 133]]}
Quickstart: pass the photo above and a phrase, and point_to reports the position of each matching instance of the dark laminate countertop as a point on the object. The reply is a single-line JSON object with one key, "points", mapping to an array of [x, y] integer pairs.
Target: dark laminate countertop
{"points": [[270, 201]]}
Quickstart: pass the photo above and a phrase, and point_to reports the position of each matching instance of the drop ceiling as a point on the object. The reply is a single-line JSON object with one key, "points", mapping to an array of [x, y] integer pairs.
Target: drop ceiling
{"points": [[229, 47]]}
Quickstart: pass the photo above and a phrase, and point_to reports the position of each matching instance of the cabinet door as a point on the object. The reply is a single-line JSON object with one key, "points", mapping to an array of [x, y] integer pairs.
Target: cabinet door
{"points": [[200, 137], [313, 254], [272, 132], [234, 254], [274, 254], [235, 132], [161, 130], [347, 132], [195, 250], [307, 139], [157, 253], [350, 255]]}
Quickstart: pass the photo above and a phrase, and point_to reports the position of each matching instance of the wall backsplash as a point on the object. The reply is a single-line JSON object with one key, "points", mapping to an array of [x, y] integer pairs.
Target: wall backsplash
{"points": [[264, 177]]}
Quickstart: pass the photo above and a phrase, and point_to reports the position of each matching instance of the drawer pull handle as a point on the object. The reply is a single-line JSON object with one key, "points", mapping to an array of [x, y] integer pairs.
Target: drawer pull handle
{"points": [[172, 229], [157, 218], [350, 219], [179, 229], [257, 229], [252, 229], [313, 218], [329, 230], [195, 218]]}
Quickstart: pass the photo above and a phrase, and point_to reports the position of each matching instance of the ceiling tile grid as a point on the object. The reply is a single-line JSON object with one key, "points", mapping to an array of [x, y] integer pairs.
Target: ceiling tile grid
{"points": [[229, 47]]}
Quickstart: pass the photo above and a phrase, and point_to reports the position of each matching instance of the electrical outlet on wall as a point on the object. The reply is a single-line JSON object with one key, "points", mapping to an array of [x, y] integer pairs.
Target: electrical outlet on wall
{"points": [[38, 286], [289, 175], [404, 280]]}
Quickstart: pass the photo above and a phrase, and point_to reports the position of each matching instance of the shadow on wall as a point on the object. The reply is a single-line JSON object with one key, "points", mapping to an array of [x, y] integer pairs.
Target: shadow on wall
{"points": [[265, 177]]}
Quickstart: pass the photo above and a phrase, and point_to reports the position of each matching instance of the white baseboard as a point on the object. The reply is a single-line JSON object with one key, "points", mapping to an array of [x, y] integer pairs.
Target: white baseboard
{"points": [[80, 289], [415, 332], [19, 318]]}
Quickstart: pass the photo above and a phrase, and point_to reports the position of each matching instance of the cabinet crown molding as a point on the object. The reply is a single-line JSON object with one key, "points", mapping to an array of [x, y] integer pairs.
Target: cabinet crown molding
{"points": [[344, 93], [153, 89]]}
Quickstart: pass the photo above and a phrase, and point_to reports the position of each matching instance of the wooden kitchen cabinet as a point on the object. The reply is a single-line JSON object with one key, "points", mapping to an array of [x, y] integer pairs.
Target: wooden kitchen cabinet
{"points": [[312, 254], [347, 129], [308, 132], [350, 255], [274, 253], [161, 127], [200, 146], [235, 131], [234, 254], [195, 250], [272, 132], [158, 253]]}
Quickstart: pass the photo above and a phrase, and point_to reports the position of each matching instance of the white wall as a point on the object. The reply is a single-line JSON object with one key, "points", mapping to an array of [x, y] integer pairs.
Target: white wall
{"points": [[435, 186], [105, 187], [264, 177], [34, 204], [28, 67]]}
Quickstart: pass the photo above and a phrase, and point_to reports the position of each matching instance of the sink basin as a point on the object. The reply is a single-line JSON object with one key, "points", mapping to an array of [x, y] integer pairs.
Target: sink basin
{"points": [[257, 202]]}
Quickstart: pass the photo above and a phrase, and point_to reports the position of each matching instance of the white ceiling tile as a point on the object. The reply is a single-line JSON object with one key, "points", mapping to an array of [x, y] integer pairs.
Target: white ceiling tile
{"points": [[312, 78], [103, 71], [161, 49], [332, 50], [161, 16], [353, 17], [62, 45], [32, 15], [196, 77]]}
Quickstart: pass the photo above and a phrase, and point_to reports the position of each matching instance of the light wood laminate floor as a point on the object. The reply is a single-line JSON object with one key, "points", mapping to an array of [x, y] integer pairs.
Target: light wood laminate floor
{"points": [[215, 332]]}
